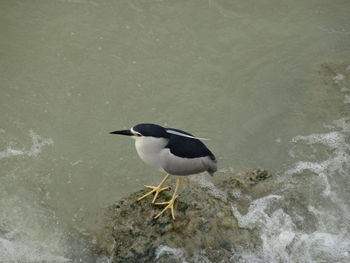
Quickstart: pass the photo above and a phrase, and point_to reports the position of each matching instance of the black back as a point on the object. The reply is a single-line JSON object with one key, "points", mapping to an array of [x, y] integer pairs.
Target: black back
{"points": [[187, 147]]}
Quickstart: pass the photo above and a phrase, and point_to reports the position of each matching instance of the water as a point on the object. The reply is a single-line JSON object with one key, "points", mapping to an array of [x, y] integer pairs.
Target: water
{"points": [[266, 81]]}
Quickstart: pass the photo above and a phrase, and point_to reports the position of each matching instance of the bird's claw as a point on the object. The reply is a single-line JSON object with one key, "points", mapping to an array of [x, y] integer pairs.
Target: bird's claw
{"points": [[155, 189], [170, 205]]}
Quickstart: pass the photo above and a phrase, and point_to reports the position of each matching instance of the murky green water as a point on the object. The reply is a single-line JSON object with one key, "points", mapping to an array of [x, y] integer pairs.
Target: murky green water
{"points": [[250, 75]]}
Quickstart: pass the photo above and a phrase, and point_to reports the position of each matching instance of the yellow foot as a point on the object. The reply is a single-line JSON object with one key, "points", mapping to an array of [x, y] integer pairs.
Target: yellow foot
{"points": [[170, 205], [155, 189]]}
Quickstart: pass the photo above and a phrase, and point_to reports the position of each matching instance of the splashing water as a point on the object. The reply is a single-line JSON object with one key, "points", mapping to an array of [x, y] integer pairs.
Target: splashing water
{"points": [[37, 144], [21, 219], [318, 179], [282, 230]]}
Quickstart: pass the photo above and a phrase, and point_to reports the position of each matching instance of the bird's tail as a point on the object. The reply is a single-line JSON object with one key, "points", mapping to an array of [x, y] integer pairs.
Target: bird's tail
{"points": [[212, 166]]}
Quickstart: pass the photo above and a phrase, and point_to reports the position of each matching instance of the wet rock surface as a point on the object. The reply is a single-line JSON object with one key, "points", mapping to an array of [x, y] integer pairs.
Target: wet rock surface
{"points": [[204, 230]]}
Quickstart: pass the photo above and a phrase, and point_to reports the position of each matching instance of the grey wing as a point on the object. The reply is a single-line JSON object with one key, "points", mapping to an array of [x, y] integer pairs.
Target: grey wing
{"points": [[185, 166]]}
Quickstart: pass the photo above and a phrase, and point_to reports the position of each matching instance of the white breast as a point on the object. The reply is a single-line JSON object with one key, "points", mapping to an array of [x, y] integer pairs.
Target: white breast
{"points": [[149, 149]]}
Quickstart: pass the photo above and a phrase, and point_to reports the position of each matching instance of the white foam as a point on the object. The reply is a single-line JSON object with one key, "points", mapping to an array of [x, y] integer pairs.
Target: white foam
{"points": [[346, 99], [282, 239], [277, 232], [177, 253], [226, 170], [256, 212], [338, 78], [15, 251], [338, 161], [200, 258], [343, 124], [283, 242], [332, 139], [237, 193], [37, 144], [320, 247], [10, 152], [28, 233], [341, 81]]}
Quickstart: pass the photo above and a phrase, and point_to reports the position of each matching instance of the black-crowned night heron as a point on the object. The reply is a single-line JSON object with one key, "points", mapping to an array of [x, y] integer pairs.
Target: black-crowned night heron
{"points": [[174, 151]]}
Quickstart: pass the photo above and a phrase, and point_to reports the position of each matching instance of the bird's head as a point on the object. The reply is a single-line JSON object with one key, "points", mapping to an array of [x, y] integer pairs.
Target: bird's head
{"points": [[144, 130]]}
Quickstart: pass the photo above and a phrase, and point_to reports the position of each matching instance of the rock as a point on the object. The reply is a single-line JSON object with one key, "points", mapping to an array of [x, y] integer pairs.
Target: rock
{"points": [[204, 229]]}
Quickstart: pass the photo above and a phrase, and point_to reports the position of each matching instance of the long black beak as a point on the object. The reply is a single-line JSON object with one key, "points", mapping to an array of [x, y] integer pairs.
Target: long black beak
{"points": [[123, 132]]}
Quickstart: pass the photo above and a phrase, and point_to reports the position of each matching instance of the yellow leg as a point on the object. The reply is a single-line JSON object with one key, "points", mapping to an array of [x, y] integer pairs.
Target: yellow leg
{"points": [[170, 203], [155, 189]]}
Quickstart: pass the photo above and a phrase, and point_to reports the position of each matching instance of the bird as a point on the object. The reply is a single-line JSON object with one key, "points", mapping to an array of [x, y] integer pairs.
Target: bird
{"points": [[174, 152]]}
